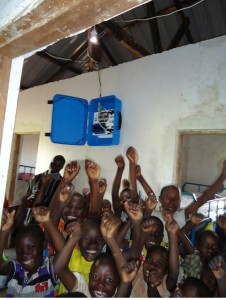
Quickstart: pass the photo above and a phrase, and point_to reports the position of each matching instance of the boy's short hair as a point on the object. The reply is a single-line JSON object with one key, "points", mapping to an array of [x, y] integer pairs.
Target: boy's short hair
{"points": [[196, 283], [170, 186], [31, 229], [205, 233]]}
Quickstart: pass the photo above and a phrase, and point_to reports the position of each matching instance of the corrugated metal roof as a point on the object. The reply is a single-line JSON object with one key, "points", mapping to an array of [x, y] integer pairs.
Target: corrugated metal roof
{"points": [[121, 42]]}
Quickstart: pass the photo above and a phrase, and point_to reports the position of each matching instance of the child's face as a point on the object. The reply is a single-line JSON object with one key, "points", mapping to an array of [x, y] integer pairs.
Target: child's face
{"points": [[103, 279], [170, 199], [29, 252], [75, 210], [208, 247], [155, 236], [126, 196], [91, 242], [155, 266]]}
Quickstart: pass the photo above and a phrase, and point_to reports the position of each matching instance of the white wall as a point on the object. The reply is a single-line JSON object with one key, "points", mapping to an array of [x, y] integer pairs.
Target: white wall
{"points": [[161, 94]]}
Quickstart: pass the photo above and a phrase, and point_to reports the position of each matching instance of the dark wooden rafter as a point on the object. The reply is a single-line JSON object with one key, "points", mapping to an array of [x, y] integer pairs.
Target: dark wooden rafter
{"points": [[179, 34], [154, 27], [186, 28], [58, 62], [108, 53], [67, 65], [125, 39]]}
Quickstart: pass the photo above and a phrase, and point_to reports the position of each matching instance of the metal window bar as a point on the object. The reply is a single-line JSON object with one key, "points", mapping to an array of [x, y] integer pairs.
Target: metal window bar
{"points": [[24, 169], [214, 206]]}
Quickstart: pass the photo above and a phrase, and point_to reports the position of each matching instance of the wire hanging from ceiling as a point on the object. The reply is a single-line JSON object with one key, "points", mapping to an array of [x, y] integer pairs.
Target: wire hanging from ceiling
{"points": [[160, 16]]}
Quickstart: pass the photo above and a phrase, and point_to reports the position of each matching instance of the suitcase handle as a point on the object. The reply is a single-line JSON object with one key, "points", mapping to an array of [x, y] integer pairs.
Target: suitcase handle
{"points": [[119, 120]]}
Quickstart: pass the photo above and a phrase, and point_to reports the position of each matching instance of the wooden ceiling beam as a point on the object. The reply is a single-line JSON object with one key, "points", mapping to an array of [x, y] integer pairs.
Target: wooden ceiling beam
{"points": [[57, 62], [186, 29], [125, 39], [179, 34], [154, 28], [67, 65], [53, 20]]}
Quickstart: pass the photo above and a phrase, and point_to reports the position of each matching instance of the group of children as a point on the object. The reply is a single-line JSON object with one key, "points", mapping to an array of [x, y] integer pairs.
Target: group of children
{"points": [[83, 245]]}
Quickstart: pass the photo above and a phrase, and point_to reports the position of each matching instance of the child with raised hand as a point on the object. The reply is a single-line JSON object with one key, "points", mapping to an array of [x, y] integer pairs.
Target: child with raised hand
{"points": [[170, 199], [85, 250], [208, 246], [215, 276], [103, 276], [218, 267], [159, 273], [30, 274], [110, 225]]}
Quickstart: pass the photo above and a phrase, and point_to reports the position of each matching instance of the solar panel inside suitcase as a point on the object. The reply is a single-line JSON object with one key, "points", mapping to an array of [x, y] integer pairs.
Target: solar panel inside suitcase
{"points": [[75, 121]]}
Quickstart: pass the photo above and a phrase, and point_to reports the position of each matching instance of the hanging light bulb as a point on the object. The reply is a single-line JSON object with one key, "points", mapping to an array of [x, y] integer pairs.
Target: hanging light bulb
{"points": [[94, 36]]}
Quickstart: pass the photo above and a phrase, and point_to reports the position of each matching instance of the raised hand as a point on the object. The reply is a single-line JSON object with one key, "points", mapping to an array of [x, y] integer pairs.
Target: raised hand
{"points": [[120, 162], [148, 225], [151, 201], [166, 214], [129, 271], [7, 219], [47, 179], [196, 218], [74, 228], [133, 210], [218, 267], [106, 206], [65, 192], [102, 185], [132, 155], [41, 214], [92, 170], [71, 171], [138, 171], [110, 224], [126, 184], [172, 226]]}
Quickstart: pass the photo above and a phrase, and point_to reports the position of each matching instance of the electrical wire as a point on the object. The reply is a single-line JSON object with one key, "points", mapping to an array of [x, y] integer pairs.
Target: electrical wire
{"points": [[161, 16], [63, 58], [98, 67]]}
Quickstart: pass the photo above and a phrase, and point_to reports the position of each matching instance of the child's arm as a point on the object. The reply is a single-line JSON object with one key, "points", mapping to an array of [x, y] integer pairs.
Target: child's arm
{"points": [[116, 185], [6, 225], [93, 173], [171, 280], [41, 214], [195, 219], [150, 204], [208, 194], [148, 190], [40, 196], [61, 260], [62, 198], [132, 156], [127, 274], [58, 201], [134, 212], [218, 267], [109, 227]]}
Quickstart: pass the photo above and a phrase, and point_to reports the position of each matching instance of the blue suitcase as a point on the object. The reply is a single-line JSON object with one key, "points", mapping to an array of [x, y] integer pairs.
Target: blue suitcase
{"points": [[75, 121]]}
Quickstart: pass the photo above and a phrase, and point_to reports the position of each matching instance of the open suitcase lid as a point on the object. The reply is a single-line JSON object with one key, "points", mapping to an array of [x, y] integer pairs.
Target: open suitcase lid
{"points": [[72, 115]]}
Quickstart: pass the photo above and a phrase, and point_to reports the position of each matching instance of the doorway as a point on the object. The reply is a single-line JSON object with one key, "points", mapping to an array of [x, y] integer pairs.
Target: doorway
{"points": [[200, 159], [22, 165]]}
